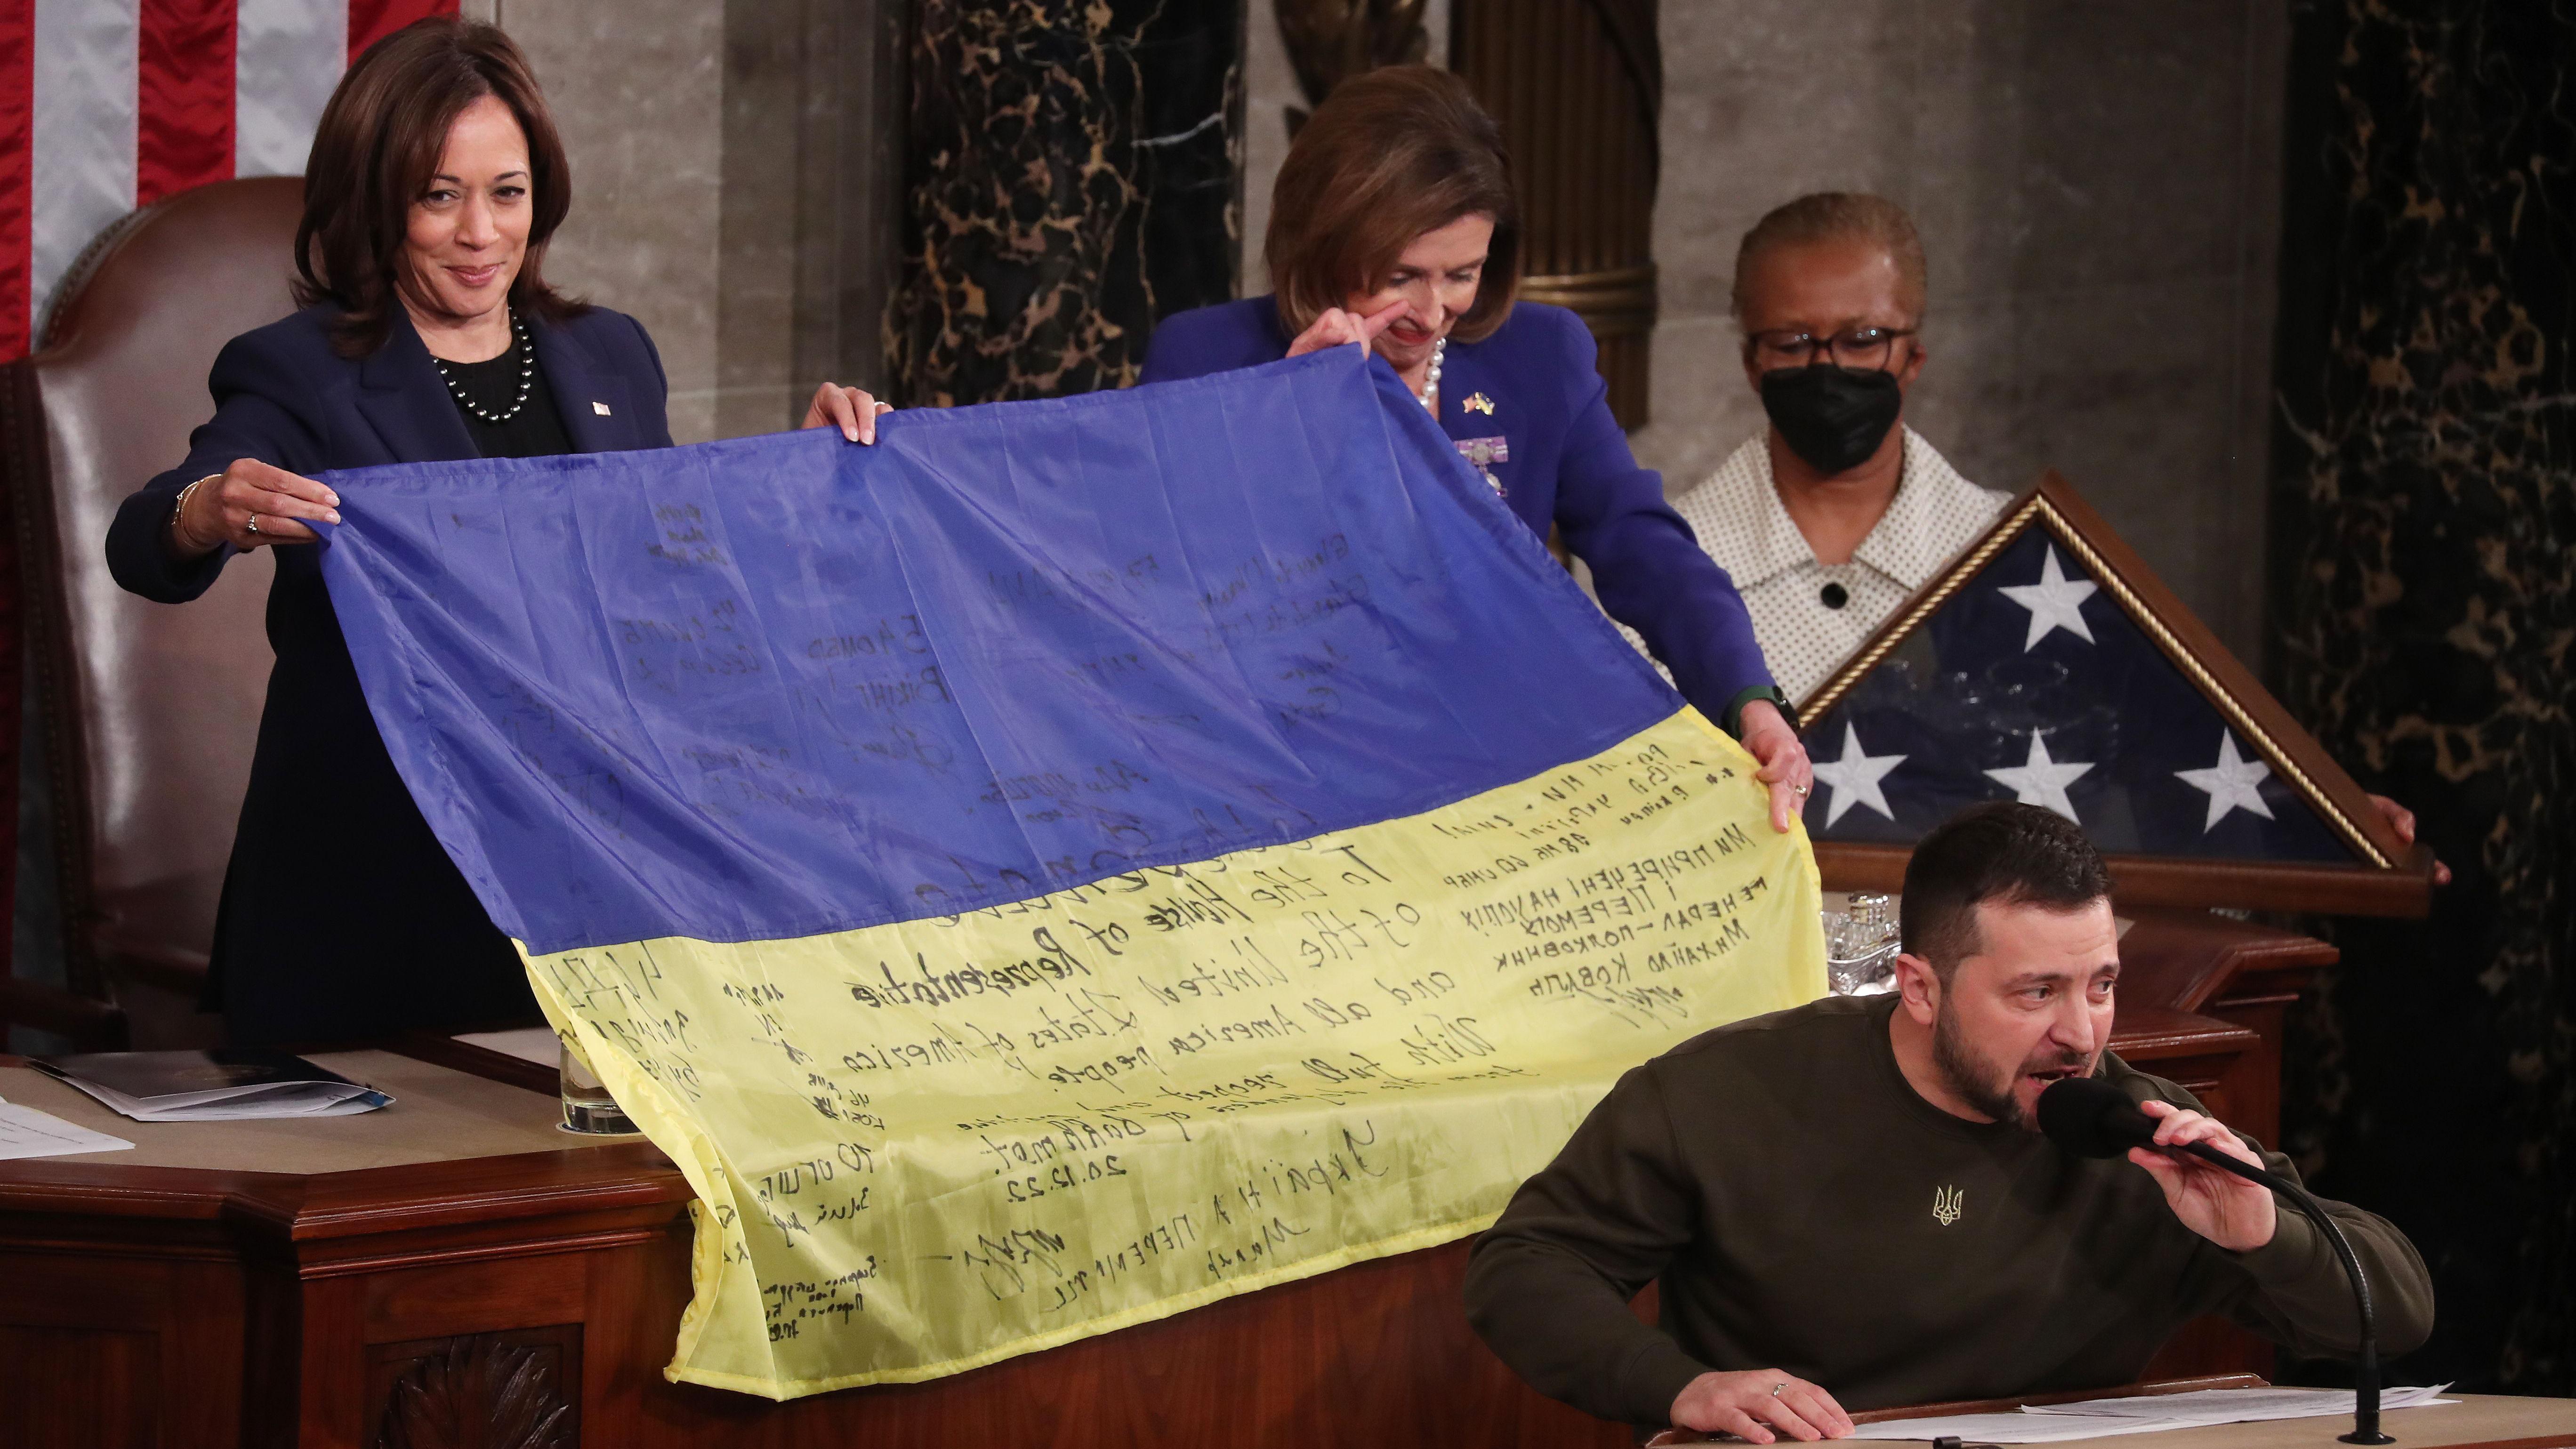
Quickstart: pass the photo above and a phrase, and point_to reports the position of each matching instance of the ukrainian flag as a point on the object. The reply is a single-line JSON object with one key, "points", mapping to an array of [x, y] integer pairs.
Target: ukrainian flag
{"points": [[1070, 862]]}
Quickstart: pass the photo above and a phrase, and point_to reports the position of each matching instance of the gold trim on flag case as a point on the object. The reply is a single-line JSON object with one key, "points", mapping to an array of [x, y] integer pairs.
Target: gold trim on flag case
{"points": [[2218, 693], [1889, 636]]}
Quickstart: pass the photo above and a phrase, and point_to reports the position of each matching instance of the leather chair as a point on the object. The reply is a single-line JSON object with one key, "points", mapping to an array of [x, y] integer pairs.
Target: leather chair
{"points": [[150, 710]]}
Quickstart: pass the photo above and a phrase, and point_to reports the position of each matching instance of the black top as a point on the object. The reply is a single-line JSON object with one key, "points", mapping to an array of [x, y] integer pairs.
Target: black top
{"points": [[534, 430], [1805, 1209], [342, 919]]}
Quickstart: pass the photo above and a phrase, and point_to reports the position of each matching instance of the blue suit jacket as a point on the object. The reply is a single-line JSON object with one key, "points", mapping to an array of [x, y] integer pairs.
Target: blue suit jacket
{"points": [[1533, 385], [342, 917]]}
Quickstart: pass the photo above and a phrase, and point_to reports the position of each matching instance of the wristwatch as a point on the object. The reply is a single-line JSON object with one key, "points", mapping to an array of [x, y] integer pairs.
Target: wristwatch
{"points": [[1733, 724]]}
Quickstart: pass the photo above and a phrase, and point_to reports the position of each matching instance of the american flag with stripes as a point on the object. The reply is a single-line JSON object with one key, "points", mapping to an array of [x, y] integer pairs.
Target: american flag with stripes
{"points": [[110, 105]]}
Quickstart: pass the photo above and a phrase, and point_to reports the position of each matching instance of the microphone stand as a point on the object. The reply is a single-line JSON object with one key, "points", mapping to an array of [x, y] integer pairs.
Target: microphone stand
{"points": [[2365, 1408]]}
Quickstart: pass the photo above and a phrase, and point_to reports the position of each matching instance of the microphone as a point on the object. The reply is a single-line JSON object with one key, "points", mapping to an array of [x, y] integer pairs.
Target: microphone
{"points": [[2091, 1117]]}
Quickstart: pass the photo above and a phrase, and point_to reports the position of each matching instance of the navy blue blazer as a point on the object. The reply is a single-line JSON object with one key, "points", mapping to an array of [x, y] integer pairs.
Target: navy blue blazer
{"points": [[1533, 385], [341, 916]]}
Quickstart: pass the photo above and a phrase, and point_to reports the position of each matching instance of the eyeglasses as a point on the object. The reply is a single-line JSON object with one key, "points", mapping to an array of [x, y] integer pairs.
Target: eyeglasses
{"points": [[1864, 349]]}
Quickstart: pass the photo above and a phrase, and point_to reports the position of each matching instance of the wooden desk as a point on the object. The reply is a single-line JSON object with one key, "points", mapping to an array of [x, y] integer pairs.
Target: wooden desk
{"points": [[147, 1303], [2238, 972], [481, 1267], [2478, 1421]]}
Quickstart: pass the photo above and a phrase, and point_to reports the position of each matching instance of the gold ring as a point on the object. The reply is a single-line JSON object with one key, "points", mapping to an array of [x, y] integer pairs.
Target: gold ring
{"points": [[1805, 790]]}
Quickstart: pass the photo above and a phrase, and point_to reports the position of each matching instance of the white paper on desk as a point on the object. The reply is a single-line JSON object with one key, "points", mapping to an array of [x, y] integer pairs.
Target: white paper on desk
{"points": [[242, 1104], [26, 1132], [2011, 1428], [2144, 1414], [2242, 1406]]}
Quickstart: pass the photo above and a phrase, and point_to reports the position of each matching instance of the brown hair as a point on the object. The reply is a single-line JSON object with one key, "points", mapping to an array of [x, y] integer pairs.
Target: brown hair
{"points": [[1389, 155], [2002, 851], [1839, 216], [374, 154]]}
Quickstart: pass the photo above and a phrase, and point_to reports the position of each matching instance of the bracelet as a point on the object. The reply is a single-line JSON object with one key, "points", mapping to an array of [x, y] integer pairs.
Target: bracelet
{"points": [[180, 508]]}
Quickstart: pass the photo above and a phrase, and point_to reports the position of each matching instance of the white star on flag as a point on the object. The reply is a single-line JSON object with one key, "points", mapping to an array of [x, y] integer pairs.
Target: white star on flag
{"points": [[2234, 783], [1854, 778], [2040, 780], [2055, 602]]}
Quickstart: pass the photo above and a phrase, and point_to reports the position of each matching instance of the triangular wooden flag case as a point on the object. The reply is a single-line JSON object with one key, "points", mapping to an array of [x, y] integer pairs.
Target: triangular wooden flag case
{"points": [[2048, 663]]}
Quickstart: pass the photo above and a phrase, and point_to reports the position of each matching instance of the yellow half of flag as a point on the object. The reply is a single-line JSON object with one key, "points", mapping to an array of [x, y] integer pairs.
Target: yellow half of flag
{"points": [[924, 1146]]}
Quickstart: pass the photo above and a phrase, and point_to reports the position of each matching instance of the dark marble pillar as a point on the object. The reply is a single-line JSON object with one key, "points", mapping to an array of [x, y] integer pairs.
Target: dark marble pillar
{"points": [[2424, 588], [1072, 178]]}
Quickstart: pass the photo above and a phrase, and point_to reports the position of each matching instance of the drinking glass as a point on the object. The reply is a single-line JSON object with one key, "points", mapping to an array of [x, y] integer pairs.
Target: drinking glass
{"points": [[587, 1107], [1861, 942]]}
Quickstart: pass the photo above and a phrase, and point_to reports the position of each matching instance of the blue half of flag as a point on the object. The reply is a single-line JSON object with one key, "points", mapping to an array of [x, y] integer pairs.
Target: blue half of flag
{"points": [[787, 685]]}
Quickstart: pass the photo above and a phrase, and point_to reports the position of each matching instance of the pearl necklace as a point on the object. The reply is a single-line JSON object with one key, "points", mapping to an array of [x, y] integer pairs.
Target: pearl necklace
{"points": [[527, 377], [1429, 397]]}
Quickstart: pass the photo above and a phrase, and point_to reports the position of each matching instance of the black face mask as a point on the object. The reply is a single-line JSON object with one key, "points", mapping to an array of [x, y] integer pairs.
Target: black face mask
{"points": [[1833, 417]]}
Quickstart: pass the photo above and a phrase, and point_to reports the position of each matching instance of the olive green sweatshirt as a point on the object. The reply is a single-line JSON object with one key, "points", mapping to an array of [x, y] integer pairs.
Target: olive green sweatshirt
{"points": [[1805, 1209]]}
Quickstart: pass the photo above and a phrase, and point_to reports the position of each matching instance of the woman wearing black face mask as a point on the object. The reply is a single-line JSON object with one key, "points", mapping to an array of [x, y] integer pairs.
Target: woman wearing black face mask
{"points": [[1839, 512], [1832, 398]]}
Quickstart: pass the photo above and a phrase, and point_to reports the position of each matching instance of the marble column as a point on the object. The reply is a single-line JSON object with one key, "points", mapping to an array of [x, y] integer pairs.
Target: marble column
{"points": [[637, 92], [1073, 177], [2424, 586], [1577, 86], [736, 179], [810, 202]]}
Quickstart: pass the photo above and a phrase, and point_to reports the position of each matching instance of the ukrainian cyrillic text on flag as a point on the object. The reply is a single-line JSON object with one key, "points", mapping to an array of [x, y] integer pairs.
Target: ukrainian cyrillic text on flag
{"points": [[1070, 862]]}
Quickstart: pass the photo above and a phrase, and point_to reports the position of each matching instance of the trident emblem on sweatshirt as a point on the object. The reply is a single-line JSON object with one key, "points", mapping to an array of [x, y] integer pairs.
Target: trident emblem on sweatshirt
{"points": [[1945, 1205]]}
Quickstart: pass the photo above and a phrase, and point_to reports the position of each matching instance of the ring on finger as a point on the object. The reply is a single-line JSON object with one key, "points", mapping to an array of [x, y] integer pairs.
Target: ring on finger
{"points": [[1776, 1388], [253, 524], [1804, 790]]}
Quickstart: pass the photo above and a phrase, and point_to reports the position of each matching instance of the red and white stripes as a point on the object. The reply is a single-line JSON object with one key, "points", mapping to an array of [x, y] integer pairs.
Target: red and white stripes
{"points": [[107, 105]]}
